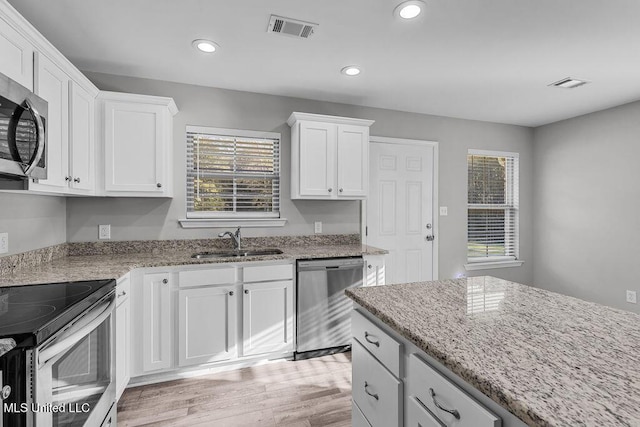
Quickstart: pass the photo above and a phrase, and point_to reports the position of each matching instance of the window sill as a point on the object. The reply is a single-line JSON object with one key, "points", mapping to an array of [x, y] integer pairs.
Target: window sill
{"points": [[230, 222], [491, 265]]}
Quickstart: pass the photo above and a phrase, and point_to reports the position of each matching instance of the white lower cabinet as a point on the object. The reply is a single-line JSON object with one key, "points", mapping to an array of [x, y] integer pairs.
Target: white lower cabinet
{"points": [[207, 325], [156, 339], [374, 274], [376, 391], [267, 317], [123, 335]]}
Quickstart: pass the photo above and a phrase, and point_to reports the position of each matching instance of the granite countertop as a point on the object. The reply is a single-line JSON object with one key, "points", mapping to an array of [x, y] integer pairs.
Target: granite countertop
{"points": [[550, 359], [113, 266]]}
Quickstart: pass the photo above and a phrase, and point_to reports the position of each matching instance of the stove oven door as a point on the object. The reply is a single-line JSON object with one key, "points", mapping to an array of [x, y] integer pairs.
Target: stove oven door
{"points": [[74, 372]]}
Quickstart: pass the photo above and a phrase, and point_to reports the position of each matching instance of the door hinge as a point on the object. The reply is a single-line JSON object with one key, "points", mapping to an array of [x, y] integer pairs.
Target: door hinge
{"points": [[366, 230]]}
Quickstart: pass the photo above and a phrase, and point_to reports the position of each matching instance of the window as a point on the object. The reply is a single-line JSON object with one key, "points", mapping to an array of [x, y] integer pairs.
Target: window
{"points": [[492, 211], [232, 174]]}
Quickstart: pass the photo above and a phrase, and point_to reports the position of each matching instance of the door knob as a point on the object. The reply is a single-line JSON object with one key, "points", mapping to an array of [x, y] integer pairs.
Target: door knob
{"points": [[430, 238]]}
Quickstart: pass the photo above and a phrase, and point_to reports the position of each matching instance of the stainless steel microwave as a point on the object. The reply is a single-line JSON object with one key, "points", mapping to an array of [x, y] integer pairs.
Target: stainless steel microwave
{"points": [[23, 136]]}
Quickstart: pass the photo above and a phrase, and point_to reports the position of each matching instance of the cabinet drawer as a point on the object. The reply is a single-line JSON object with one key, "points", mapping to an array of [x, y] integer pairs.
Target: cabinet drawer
{"points": [[429, 386], [263, 273], [419, 416], [123, 289], [382, 346], [213, 276], [357, 419], [377, 393]]}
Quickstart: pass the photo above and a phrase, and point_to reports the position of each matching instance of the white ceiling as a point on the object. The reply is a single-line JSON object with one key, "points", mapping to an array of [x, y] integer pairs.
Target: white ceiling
{"points": [[487, 60]]}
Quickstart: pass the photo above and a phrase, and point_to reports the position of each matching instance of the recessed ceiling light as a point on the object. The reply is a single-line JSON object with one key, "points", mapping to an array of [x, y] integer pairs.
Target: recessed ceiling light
{"points": [[409, 9], [569, 83], [351, 70], [206, 46]]}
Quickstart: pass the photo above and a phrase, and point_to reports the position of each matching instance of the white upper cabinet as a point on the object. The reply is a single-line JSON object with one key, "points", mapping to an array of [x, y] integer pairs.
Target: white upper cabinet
{"points": [[52, 84], [17, 55], [81, 139], [137, 135], [329, 157]]}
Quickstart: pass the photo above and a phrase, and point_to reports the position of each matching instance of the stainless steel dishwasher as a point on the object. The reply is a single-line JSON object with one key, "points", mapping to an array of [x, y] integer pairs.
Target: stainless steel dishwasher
{"points": [[324, 312]]}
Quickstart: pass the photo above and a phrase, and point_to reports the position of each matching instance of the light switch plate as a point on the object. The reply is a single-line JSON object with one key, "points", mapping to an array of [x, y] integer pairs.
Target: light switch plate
{"points": [[4, 243], [443, 211], [631, 297], [317, 227], [104, 231]]}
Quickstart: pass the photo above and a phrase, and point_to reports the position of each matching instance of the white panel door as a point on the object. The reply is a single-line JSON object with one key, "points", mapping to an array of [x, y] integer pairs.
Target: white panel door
{"points": [[207, 325], [353, 161], [400, 209], [17, 56], [156, 322], [267, 317], [317, 159], [134, 147], [52, 84], [81, 139]]}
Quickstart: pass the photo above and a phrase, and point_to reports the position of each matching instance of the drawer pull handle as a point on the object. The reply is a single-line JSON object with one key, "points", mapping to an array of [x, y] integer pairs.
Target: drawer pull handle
{"points": [[366, 337], [453, 412], [374, 395]]}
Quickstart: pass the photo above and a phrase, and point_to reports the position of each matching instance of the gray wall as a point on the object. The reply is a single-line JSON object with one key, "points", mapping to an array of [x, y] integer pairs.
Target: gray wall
{"points": [[32, 221], [587, 206], [157, 219]]}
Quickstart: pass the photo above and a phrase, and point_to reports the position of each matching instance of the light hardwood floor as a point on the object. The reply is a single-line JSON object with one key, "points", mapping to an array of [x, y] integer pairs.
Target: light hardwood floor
{"points": [[306, 393]]}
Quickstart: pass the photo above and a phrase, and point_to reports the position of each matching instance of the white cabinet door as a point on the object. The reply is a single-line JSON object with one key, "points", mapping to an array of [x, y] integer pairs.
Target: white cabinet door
{"points": [[207, 325], [134, 148], [52, 84], [267, 313], [317, 159], [81, 139], [352, 161], [123, 344], [156, 322], [17, 56], [374, 270]]}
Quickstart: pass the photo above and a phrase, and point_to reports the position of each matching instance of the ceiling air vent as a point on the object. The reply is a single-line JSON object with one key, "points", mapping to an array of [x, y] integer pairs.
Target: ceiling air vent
{"points": [[291, 27], [569, 83]]}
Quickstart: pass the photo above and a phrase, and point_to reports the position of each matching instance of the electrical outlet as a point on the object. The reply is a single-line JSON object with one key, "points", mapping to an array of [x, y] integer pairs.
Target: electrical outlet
{"points": [[317, 226], [443, 211], [631, 297], [4, 243], [104, 231]]}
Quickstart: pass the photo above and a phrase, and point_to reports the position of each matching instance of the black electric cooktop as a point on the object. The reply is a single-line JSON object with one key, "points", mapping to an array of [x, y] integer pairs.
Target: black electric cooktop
{"points": [[30, 314]]}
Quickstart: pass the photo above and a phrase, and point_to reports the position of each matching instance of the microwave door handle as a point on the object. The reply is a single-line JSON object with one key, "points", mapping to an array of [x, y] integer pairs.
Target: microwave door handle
{"points": [[75, 334], [40, 141]]}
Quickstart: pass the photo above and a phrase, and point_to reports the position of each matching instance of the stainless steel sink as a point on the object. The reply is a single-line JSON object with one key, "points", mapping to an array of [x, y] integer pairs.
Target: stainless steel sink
{"points": [[237, 254]]}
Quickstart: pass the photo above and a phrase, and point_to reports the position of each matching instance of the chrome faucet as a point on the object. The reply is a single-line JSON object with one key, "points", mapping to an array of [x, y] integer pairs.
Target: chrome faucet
{"points": [[237, 237]]}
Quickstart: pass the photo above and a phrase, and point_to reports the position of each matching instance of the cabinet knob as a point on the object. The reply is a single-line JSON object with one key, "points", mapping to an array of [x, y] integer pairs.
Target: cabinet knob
{"points": [[67, 178], [230, 293], [330, 190], [341, 190], [370, 266], [246, 291], [159, 185], [76, 180], [165, 281]]}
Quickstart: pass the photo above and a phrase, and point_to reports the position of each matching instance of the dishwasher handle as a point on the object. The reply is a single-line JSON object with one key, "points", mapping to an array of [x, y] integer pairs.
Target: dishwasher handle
{"points": [[331, 264]]}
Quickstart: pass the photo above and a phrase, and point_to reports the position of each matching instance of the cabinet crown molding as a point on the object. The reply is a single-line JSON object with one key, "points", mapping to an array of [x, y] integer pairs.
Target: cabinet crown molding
{"points": [[142, 99], [296, 116]]}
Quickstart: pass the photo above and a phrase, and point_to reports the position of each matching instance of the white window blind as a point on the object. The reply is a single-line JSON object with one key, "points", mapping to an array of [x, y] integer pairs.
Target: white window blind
{"points": [[492, 214], [232, 174]]}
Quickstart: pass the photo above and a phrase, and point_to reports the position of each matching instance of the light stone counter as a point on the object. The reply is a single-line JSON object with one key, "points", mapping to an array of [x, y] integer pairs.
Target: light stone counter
{"points": [[115, 265], [549, 359]]}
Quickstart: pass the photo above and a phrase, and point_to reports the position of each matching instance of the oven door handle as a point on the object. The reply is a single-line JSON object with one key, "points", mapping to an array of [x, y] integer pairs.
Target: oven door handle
{"points": [[76, 333], [40, 141]]}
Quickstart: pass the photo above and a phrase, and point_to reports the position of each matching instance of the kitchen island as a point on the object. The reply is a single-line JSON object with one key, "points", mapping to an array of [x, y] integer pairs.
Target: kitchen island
{"points": [[545, 358]]}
